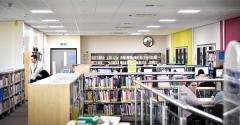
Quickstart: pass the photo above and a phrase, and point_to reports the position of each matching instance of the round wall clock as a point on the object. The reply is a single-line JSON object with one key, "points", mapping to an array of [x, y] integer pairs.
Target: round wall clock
{"points": [[148, 41]]}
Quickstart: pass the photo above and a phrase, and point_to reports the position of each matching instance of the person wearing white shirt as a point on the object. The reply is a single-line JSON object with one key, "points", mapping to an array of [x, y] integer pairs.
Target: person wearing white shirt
{"points": [[36, 67]]}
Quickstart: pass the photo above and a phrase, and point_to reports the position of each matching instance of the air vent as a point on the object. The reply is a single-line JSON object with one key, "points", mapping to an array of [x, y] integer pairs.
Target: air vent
{"points": [[118, 33], [149, 5], [142, 15]]}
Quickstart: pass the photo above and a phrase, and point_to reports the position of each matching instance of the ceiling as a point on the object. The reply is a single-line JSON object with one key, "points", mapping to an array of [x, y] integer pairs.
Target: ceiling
{"points": [[117, 17]]}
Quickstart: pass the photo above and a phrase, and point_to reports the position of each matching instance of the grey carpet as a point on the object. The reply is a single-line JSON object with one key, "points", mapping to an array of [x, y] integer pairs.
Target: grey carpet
{"points": [[17, 117]]}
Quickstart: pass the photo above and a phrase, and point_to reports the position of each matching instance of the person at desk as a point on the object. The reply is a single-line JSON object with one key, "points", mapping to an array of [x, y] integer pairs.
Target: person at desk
{"points": [[35, 68], [189, 97], [201, 75]]}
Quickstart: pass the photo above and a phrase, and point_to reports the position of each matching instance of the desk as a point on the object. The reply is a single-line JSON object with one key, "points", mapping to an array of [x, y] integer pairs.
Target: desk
{"points": [[73, 122]]}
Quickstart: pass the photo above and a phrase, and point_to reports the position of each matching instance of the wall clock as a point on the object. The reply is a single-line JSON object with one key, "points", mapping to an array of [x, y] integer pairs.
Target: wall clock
{"points": [[148, 41]]}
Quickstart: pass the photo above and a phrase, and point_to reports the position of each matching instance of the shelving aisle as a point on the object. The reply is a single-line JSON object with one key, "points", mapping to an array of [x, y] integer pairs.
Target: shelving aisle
{"points": [[18, 117]]}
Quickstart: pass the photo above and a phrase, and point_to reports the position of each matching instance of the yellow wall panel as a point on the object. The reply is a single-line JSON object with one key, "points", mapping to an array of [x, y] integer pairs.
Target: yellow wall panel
{"points": [[181, 39]]}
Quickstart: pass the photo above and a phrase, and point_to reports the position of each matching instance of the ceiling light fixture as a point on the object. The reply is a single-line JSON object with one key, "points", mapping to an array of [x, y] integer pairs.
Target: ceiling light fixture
{"points": [[60, 31], [41, 11], [188, 11], [152, 26], [143, 31], [56, 26], [135, 33], [167, 20], [50, 20]]}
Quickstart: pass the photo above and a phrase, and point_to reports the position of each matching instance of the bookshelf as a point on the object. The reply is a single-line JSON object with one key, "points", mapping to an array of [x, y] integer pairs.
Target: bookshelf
{"points": [[110, 95], [55, 100], [114, 93], [11, 89], [122, 58]]}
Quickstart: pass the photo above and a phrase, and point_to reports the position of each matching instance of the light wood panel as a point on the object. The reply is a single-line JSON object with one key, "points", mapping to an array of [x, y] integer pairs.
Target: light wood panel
{"points": [[27, 61], [48, 104], [49, 100]]}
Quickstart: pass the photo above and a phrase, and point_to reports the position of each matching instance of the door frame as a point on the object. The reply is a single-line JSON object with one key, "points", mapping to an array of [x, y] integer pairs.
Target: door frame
{"points": [[51, 49]]}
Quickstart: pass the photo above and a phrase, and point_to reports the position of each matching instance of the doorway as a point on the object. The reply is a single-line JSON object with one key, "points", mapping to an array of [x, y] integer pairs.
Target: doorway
{"points": [[62, 59]]}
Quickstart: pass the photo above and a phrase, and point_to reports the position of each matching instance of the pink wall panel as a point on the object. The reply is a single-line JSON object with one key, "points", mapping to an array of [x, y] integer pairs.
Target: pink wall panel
{"points": [[232, 30]]}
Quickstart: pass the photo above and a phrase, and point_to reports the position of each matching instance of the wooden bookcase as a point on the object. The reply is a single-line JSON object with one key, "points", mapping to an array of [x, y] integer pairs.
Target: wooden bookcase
{"points": [[55, 100], [11, 90]]}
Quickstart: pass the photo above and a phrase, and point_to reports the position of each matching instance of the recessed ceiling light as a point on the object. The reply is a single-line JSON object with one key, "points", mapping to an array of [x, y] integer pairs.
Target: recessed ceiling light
{"points": [[143, 31], [41, 27], [41, 11], [60, 31], [152, 26], [50, 20], [135, 33], [56, 26], [188, 11], [167, 20]]}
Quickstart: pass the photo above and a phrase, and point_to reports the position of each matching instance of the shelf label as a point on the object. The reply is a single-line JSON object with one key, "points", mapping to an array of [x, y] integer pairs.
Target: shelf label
{"points": [[132, 65]]}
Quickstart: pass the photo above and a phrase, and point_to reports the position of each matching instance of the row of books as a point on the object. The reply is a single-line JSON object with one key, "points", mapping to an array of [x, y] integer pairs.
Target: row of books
{"points": [[10, 103], [120, 82], [98, 57], [6, 92], [110, 96], [112, 109], [141, 57], [76, 89], [10, 79], [102, 57], [18, 76], [5, 81]]}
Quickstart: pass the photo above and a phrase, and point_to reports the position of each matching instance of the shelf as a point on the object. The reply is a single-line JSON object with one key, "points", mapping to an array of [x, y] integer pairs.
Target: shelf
{"points": [[4, 87], [109, 89], [88, 102]]}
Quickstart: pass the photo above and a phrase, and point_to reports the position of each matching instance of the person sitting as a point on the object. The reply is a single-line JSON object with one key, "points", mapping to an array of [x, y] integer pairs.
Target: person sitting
{"points": [[201, 75], [188, 96], [35, 68]]}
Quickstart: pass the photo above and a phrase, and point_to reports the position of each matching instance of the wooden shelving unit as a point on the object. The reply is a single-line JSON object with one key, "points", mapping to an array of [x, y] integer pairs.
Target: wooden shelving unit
{"points": [[55, 100]]}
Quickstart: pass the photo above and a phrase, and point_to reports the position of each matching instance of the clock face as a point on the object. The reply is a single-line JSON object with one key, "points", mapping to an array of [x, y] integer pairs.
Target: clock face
{"points": [[148, 41]]}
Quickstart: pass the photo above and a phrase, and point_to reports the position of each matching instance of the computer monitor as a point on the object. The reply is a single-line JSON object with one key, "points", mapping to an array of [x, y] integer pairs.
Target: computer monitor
{"points": [[177, 69], [204, 68], [104, 70], [219, 73]]}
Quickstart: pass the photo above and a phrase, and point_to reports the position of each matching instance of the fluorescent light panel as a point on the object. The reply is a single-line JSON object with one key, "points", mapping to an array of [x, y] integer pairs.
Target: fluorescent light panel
{"points": [[188, 11], [167, 20], [56, 26], [135, 33], [41, 11], [60, 31], [152, 26], [50, 20], [143, 31]]}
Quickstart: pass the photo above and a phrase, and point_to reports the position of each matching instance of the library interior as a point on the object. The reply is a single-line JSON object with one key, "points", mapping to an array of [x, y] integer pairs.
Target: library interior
{"points": [[119, 62]]}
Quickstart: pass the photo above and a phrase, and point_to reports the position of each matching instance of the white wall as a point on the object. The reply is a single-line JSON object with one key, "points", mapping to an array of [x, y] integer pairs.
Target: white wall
{"points": [[121, 44], [11, 44], [54, 42], [208, 34]]}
